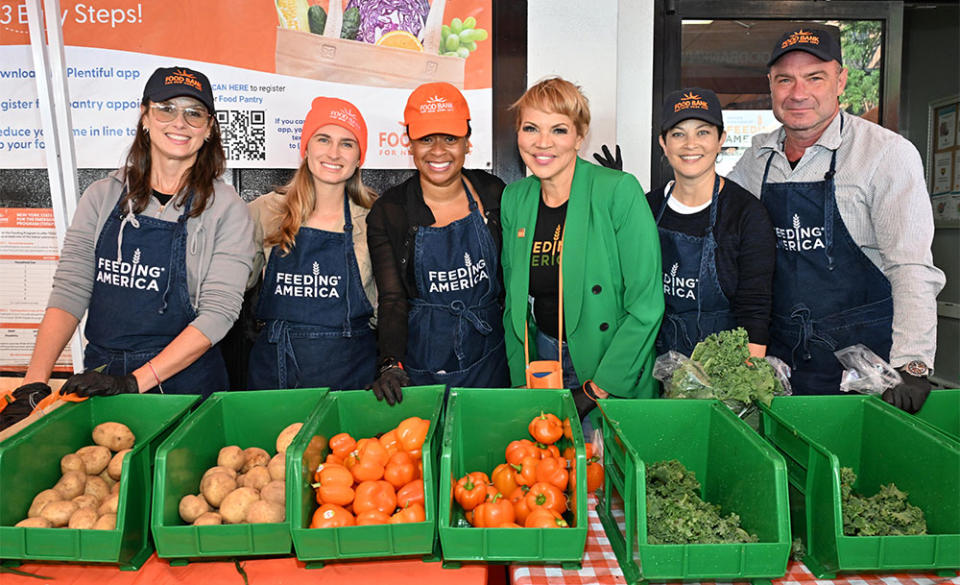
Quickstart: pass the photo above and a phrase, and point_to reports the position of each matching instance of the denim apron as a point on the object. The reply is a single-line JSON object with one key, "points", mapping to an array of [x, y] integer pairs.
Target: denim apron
{"points": [[827, 294], [140, 300], [317, 316], [695, 303], [455, 327]]}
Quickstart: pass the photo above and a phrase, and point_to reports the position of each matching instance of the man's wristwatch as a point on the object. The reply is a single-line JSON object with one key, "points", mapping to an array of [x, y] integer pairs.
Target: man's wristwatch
{"points": [[917, 368]]}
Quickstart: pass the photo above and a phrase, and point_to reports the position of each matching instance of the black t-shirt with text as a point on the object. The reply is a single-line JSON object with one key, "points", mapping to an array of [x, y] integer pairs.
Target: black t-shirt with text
{"points": [[545, 264]]}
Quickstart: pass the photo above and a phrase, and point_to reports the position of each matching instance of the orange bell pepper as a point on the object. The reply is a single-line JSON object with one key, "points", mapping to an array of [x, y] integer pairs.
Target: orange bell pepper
{"points": [[412, 493], [399, 470], [546, 428], [517, 450], [504, 478], [333, 473], [567, 429], [334, 484], [342, 444], [544, 451], [594, 477], [545, 495], [470, 491], [390, 442], [412, 513], [494, 513], [375, 495], [544, 518], [331, 458], [527, 471], [332, 516], [372, 517], [520, 508], [367, 469], [372, 449], [412, 432], [553, 470]]}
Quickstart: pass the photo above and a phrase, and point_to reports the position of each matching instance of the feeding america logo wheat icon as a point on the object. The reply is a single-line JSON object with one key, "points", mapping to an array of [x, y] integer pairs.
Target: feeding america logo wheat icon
{"points": [[678, 286], [798, 237], [134, 274], [462, 278]]}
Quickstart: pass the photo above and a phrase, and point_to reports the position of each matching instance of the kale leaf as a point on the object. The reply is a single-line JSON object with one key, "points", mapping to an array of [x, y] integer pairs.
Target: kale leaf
{"points": [[886, 513]]}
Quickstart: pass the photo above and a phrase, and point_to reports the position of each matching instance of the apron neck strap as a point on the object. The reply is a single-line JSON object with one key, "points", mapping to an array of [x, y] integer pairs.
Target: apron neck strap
{"points": [[347, 220]]}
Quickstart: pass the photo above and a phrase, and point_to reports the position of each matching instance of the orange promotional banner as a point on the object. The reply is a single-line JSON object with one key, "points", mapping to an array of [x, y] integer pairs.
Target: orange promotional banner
{"points": [[266, 60]]}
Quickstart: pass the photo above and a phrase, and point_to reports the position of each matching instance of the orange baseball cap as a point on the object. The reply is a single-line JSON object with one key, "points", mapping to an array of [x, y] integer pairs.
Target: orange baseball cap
{"points": [[436, 108], [326, 110]]}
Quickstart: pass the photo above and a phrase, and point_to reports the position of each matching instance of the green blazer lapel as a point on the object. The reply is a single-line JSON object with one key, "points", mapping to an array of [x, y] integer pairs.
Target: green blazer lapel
{"points": [[575, 240], [529, 199]]}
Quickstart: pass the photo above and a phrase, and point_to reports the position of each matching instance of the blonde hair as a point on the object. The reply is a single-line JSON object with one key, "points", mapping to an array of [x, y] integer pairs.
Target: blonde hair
{"points": [[300, 200], [559, 96]]}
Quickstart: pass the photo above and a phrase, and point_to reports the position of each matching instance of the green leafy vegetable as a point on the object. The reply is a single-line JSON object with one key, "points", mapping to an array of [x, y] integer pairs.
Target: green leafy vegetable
{"points": [[886, 513], [721, 367], [317, 19], [677, 515], [351, 24]]}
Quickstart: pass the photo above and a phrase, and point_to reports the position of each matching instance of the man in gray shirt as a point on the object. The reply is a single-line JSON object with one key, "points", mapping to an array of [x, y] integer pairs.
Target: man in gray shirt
{"points": [[854, 226]]}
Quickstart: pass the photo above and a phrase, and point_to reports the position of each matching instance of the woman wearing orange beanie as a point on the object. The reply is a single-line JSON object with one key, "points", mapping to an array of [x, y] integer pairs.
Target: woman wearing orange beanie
{"points": [[318, 294]]}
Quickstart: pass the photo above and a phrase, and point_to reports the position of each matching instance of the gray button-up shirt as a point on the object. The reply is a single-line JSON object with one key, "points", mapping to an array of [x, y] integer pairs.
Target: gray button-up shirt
{"points": [[883, 201]]}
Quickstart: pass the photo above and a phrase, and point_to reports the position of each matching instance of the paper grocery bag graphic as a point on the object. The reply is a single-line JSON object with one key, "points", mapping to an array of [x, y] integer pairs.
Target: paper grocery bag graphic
{"points": [[327, 57]]}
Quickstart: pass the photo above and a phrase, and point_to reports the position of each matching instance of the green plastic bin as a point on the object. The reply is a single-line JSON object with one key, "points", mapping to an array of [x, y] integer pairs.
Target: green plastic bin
{"points": [[942, 411], [737, 470], [359, 413], [820, 434], [247, 419], [480, 423], [30, 462]]}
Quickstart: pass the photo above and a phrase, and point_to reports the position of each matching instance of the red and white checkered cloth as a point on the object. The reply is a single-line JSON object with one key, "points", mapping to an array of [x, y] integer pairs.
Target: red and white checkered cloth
{"points": [[600, 567]]}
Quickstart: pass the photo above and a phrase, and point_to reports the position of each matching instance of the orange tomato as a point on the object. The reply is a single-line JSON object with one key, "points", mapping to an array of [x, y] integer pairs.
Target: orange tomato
{"points": [[332, 516]]}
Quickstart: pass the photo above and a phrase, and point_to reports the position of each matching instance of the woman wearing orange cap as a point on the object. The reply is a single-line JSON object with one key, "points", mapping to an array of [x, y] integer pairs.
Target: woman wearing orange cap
{"points": [[317, 298], [435, 244]]}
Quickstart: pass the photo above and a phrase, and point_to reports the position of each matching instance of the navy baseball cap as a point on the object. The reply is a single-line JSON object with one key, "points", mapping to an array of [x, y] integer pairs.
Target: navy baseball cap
{"points": [[692, 102], [820, 43], [171, 82]]}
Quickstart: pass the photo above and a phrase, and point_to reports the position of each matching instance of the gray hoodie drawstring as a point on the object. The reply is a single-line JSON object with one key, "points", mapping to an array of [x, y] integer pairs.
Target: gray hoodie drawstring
{"points": [[196, 249], [130, 218]]}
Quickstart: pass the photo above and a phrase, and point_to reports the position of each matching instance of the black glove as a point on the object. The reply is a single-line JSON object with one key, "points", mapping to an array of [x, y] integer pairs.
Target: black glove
{"points": [[585, 399], [910, 394], [608, 160], [388, 383], [24, 400], [93, 383]]}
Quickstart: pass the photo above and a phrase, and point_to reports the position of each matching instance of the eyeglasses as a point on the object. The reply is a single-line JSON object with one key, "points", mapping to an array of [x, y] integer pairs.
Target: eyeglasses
{"points": [[167, 112]]}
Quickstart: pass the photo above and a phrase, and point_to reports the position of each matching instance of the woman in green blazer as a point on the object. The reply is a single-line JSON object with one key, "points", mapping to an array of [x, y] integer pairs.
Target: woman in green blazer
{"points": [[599, 219]]}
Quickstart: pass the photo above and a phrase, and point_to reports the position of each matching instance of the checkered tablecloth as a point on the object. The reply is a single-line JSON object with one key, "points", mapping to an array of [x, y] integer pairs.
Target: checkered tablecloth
{"points": [[600, 567]]}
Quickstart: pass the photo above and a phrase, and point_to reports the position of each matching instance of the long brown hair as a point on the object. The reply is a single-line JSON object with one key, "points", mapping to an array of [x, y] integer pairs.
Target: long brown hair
{"points": [[210, 164], [300, 200]]}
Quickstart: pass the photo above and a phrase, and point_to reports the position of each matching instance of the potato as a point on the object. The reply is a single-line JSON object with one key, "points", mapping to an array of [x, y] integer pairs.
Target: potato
{"points": [[105, 476], [34, 523], [109, 505], [58, 513], [41, 500], [72, 462], [95, 458], [71, 485], [234, 507], [116, 464], [275, 491], [192, 507], [286, 436], [83, 518], [114, 436], [106, 522], [216, 486], [228, 470], [208, 519], [96, 487], [256, 478], [232, 457], [255, 456], [264, 512], [86, 501], [278, 467], [115, 488]]}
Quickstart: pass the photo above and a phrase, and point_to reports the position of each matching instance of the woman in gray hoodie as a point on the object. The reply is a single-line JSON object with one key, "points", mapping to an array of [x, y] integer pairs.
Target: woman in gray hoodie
{"points": [[157, 256]]}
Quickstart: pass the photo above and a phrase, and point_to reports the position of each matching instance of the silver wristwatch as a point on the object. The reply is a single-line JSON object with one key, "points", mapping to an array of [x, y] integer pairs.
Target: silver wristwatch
{"points": [[917, 368]]}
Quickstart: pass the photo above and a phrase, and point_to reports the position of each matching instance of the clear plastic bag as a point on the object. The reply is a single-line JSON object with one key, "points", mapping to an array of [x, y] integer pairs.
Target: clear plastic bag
{"points": [[682, 377], [864, 371], [782, 371]]}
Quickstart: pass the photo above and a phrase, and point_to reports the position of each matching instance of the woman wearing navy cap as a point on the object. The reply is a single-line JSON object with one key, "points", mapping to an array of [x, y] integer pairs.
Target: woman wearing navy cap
{"points": [[157, 256], [318, 293], [716, 239]]}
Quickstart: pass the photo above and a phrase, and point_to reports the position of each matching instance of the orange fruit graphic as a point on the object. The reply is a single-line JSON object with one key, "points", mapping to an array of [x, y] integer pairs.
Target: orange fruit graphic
{"points": [[400, 39]]}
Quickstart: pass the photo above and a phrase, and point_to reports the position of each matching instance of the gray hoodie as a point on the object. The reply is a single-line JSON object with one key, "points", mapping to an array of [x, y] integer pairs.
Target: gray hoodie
{"points": [[219, 253]]}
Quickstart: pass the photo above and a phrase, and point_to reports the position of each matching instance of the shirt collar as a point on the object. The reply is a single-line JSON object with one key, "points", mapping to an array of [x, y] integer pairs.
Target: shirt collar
{"points": [[830, 139]]}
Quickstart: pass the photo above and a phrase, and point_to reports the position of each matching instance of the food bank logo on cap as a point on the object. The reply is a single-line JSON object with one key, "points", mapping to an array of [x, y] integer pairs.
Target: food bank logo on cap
{"points": [[691, 100], [799, 37], [435, 105], [347, 116], [181, 77]]}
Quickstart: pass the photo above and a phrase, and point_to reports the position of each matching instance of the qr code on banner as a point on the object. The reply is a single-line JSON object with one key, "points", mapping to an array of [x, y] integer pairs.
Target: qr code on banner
{"points": [[243, 134]]}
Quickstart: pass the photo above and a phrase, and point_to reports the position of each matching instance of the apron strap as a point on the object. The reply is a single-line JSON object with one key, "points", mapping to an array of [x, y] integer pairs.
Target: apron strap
{"points": [[174, 243], [830, 205], [348, 258], [708, 249], [808, 333], [279, 334]]}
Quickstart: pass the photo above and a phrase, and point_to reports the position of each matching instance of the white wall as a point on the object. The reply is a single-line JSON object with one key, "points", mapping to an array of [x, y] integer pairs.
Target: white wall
{"points": [[606, 47]]}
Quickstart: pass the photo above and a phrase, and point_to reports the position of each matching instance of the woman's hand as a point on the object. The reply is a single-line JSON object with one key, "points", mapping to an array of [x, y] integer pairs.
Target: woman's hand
{"points": [[594, 391]]}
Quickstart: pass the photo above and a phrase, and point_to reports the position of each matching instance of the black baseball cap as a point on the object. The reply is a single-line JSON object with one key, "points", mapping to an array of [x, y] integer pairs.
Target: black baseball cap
{"points": [[691, 102], [171, 82], [820, 43]]}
